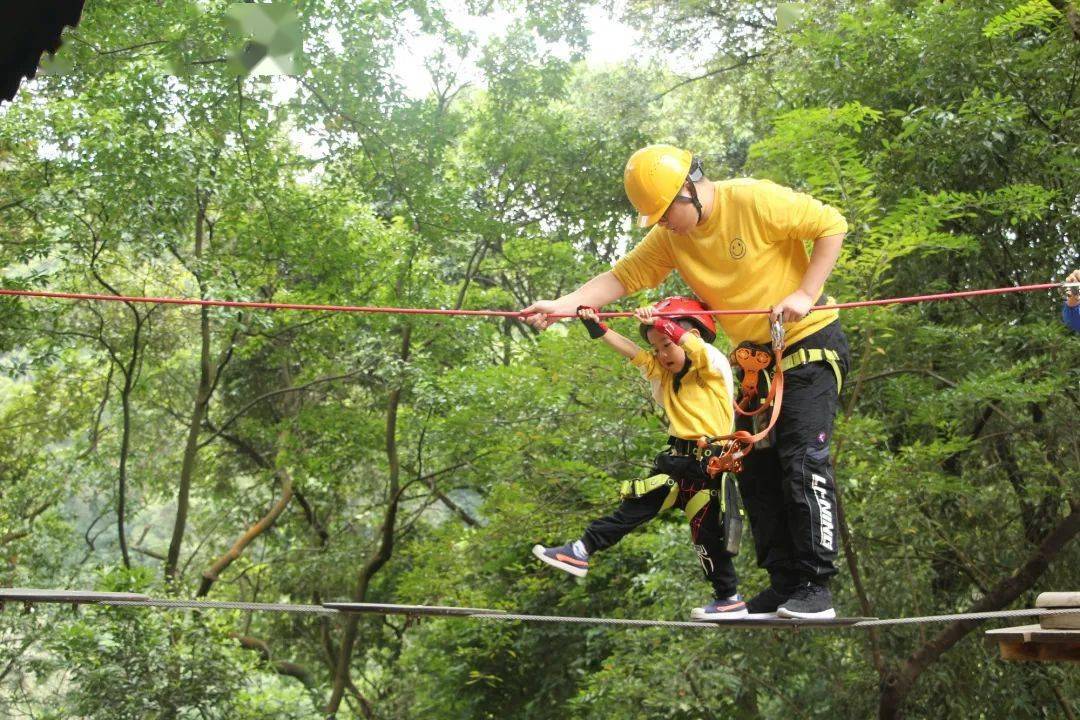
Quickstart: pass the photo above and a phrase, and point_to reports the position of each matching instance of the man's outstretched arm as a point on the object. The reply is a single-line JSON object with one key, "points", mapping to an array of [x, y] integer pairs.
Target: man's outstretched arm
{"points": [[598, 292]]}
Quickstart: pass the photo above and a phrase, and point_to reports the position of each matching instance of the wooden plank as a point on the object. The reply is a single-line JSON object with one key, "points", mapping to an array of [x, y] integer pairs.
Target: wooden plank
{"points": [[1036, 643], [790, 623], [1058, 600], [77, 597], [1034, 633], [390, 609], [1065, 621], [1039, 652]]}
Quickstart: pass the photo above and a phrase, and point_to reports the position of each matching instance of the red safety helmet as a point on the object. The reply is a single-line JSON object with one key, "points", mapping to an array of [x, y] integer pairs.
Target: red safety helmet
{"points": [[690, 309]]}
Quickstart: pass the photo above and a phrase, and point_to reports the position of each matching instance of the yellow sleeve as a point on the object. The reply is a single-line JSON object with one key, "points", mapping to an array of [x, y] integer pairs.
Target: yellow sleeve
{"points": [[710, 362], [795, 216], [698, 353], [646, 362], [647, 264]]}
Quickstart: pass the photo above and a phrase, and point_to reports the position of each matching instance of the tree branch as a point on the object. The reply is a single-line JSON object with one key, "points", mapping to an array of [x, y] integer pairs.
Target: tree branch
{"points": [[211, 574], [716, 71], [274, 393]]}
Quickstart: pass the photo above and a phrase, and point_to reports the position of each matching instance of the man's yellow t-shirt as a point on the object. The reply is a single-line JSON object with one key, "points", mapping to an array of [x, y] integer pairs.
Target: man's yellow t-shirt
{"points": [[748, 255]]}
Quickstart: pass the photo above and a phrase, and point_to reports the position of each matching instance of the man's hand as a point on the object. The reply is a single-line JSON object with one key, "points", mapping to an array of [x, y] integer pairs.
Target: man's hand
{"points": [[1073, 298], [792, 308], [538, 314], [598, 292]]}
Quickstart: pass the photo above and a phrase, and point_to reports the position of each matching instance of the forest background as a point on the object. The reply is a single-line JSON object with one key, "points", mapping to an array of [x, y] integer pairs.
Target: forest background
{"points": [[304, 457]]}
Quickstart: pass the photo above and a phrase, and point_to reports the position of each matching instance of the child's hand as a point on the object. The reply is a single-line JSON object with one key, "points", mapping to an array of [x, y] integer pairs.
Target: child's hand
{"points": [[591, 321], [645, 315], [1073, 297]]}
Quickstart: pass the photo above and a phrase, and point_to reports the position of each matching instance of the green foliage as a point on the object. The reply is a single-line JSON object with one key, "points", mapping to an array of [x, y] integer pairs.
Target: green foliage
{"points": [[1031, 14], [128, 663], [788, 14]]}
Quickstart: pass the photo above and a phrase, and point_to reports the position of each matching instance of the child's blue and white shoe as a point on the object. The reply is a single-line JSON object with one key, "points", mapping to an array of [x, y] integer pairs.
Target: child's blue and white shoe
{"points": [[570, 557], [731, 608]]}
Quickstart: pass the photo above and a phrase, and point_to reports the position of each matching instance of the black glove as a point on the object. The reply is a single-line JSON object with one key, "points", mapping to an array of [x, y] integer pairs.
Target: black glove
{"points": [[596, 329]]}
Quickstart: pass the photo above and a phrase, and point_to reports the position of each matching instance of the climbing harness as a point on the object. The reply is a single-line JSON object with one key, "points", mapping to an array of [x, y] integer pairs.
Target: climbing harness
{"points": [[638, 488], [756, 361], [724, 490], [804, 356]]}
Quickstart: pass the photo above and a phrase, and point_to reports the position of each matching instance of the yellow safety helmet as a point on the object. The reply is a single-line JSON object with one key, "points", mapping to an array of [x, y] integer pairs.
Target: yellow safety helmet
{"points": [[653, 177]]}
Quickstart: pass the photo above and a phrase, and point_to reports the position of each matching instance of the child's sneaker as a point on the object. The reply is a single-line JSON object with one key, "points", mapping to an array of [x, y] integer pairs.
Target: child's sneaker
{"points": [[570, 557], [721, 609], [810, 601]]}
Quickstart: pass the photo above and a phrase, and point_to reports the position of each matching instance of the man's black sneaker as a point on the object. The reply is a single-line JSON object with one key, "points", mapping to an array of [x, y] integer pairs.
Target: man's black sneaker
{"points": [[764, 605], [810, 601]]}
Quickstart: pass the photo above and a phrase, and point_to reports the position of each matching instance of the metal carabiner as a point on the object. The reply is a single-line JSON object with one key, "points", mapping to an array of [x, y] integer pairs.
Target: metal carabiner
{"points": [[777, 332]]}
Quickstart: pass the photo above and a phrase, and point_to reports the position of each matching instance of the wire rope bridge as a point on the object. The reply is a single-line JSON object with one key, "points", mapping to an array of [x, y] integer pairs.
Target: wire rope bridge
{"points": [[1056, 637]]}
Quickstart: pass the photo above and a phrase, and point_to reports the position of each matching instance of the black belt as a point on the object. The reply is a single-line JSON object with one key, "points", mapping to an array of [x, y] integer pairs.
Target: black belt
{"points": [[682, 447]]}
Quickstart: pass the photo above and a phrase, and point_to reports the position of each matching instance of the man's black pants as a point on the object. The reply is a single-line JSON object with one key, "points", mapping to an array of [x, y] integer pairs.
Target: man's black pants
{"points": [[706, 528], [788, 488]]}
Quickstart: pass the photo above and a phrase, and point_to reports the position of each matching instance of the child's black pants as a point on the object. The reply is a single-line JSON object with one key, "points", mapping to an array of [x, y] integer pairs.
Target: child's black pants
{"points": [[705, 527]]}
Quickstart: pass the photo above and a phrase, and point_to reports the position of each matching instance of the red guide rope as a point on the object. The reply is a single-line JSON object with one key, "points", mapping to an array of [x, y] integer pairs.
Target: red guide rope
{"points": [[497, 313]]}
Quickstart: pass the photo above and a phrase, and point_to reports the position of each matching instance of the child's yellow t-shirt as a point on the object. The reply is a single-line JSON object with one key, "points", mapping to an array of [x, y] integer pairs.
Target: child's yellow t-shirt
{"points": [[703, 405], [748, 255]]}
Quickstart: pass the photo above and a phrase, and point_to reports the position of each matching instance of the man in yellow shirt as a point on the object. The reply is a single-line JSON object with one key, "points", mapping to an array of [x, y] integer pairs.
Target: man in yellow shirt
{"points": [[739, 245]]}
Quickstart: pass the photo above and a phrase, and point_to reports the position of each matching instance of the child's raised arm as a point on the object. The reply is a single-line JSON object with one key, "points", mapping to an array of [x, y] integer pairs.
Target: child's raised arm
{"points": [[598, 330]]}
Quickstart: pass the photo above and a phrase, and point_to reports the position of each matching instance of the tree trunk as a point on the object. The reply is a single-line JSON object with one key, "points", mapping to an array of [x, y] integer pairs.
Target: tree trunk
{"points": [[382, 553], [129, 370], [198, 414], [125, 440]]}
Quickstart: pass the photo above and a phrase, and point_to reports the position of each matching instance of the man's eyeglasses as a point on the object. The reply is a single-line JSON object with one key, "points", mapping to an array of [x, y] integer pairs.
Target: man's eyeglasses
{"points": [[678, 198]]}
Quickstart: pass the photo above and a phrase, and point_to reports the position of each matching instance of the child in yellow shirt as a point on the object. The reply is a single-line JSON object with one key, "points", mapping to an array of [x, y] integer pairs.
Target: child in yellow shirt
{"points": [[692, 381]]}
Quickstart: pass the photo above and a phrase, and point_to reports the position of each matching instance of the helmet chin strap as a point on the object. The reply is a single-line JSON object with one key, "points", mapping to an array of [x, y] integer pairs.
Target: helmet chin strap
{"points": [[694, 199], [695, 174]]}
